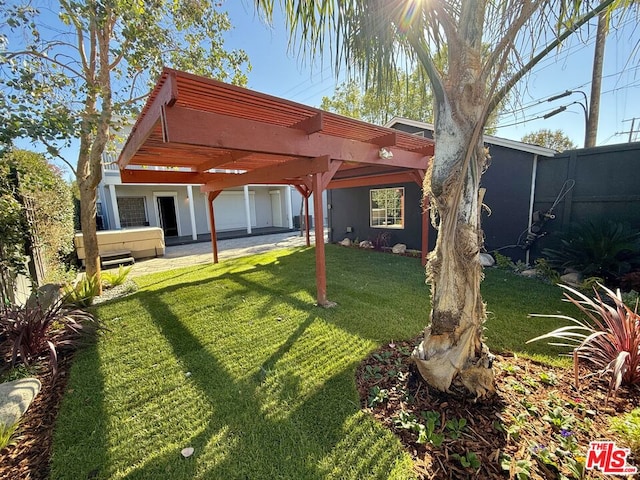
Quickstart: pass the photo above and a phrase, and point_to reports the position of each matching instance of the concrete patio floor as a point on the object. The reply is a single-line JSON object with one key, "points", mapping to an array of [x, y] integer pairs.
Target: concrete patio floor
{"points": [[201, 253]]}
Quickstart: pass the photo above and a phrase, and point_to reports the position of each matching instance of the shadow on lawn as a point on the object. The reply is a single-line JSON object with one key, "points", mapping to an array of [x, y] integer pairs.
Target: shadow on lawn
{"points": [[317, 430], [85, 398], [293, 443]]}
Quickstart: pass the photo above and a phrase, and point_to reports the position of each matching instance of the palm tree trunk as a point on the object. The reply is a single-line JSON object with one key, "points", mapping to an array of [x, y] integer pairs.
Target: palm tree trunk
{"points": [[452, 348]]}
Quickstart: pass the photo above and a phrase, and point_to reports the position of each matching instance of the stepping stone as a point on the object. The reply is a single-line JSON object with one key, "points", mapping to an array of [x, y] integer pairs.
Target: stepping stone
{"points": [[15, 398]]}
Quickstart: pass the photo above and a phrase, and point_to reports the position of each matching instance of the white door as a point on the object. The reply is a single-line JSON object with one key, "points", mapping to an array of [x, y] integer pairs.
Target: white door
{"points": [[276, 208]]}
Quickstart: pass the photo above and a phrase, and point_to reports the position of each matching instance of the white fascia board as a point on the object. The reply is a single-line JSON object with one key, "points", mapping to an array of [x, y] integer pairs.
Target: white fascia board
{"points": [[489, 139]]}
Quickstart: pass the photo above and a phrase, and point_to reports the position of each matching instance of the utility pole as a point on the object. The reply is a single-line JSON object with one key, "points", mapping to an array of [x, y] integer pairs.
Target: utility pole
{"points": [[591, 128], [632, 132]]}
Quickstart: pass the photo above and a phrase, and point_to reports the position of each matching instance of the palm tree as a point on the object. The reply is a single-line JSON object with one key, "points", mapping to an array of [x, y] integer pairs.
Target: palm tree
{"points": [[490, 46]]}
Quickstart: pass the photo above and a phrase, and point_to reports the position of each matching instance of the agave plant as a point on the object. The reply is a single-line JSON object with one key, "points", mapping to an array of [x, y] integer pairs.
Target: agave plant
{"points": [[41, 328], [609, 340], [604, 249]]}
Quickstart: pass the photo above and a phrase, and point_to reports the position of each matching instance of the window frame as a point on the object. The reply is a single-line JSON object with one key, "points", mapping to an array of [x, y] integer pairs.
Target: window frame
{"points": [[394, 226]]}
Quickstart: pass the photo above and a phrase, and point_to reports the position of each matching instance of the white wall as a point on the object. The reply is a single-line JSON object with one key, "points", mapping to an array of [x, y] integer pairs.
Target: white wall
{"points": [[260, 205]]}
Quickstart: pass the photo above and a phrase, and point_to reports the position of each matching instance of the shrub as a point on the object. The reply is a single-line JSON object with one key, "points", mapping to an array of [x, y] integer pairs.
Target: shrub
{"points": [[546, 271], [609, 341], [82, 293], [628, 426], [630, 281], [35, 203], [40, 328], [113, 279], [606, 249], [504, 262], [630, 298], [382, 240]]}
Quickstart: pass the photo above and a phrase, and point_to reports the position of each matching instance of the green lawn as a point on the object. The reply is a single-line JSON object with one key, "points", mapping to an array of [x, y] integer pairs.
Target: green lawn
{"points": [[235, 361]]}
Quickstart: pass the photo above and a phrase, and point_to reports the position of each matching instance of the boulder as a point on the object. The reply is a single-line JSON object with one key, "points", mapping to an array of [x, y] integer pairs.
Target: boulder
{"points": [[573, 279], [15, 398], [366, 244], [487, 260], [346, 242], [399, 248], [529, 273]]}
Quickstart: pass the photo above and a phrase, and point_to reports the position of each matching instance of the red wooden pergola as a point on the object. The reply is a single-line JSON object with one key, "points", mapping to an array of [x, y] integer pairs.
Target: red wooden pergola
{"points": [[195, 130]]}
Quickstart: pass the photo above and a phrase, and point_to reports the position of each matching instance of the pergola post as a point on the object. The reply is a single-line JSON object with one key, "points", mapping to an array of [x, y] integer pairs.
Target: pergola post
{"points": [[321, 270], [306, 218], [211, 196]]}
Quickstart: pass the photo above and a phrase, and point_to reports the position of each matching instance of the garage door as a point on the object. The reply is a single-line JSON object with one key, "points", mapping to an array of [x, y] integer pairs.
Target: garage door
{"points": [[229, 211]]}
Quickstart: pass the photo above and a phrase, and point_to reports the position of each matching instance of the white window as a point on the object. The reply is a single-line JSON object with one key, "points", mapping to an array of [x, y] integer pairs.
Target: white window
{"points": [[387, 207], [132, 211]]}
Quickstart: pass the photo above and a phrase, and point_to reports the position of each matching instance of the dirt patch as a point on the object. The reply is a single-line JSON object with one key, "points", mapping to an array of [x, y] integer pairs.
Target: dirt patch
{"points": [[537, 425]]}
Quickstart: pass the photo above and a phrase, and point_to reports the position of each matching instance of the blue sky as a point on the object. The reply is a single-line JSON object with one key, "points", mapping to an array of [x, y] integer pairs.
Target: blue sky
{"points": [[281, 72]]}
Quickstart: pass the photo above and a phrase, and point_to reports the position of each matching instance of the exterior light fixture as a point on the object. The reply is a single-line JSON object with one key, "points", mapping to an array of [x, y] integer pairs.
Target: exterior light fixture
{"points": [[385, 154]]}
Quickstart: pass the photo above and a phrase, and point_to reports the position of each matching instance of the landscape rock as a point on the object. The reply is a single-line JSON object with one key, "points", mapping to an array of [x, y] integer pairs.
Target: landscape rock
{"points": [[570, 270], [529, 273], [366, 244], [346, 242], [15, 398], [487, 260], [399, 248], [573, 279]]}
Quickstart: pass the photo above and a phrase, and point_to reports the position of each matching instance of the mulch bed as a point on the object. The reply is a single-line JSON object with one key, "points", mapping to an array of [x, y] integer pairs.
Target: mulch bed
{"points": [[507, 432], [29, 458]]}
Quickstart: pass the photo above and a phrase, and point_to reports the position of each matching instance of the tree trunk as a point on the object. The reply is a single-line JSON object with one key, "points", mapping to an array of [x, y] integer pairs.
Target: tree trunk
{"points": [[88, 198], [452, 348], [591, 129]]}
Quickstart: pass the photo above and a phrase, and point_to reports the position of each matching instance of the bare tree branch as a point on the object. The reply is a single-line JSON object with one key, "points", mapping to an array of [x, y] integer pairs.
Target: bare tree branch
{"points": [[528, 9], [43, 56]]}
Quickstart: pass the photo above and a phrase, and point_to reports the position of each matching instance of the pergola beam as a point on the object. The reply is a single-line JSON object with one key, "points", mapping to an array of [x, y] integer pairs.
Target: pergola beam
{"points": [[167, 95], [194, 127], [223, 159], [162, 176], [311, 124], [387, 140], [270, 174], [382, 179], [327, 176]]}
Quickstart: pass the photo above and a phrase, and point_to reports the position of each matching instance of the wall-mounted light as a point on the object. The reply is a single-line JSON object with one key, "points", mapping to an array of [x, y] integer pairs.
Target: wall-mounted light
{"points": [[385, 154]]}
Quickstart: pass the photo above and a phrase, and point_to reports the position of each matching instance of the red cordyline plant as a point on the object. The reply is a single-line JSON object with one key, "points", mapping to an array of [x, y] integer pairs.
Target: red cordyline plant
{"points": [[41, 328], [609, 340]]}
